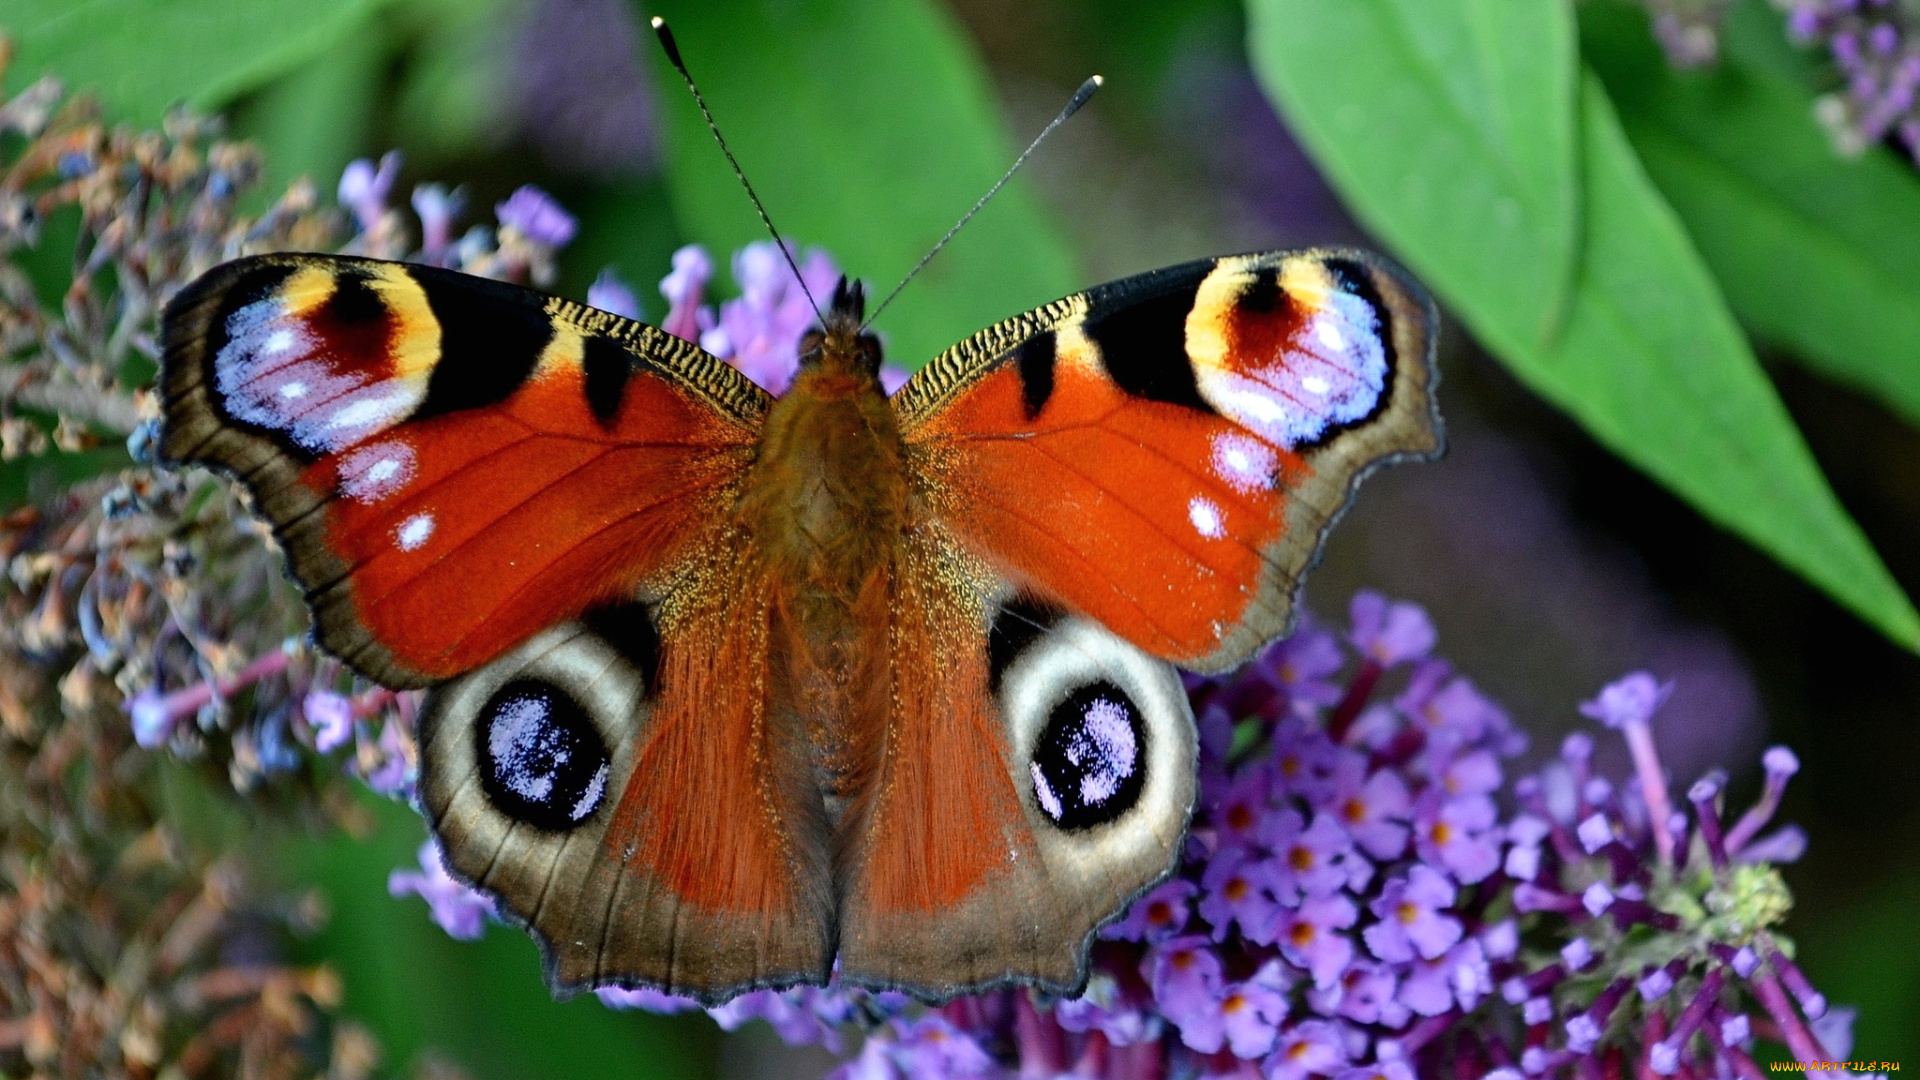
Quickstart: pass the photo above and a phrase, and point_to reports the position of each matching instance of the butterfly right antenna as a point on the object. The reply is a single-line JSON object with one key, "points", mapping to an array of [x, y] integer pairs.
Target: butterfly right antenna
{"points": [[1080, 98]]}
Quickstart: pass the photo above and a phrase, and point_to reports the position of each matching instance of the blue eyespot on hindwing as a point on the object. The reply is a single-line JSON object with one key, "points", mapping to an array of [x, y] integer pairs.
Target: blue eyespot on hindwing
{"points": [[542, 761], [1089, 764]]}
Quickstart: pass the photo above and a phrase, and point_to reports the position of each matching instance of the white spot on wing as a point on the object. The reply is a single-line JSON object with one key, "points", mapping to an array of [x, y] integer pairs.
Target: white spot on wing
{"points": [[1108, 741], [414, 531], [591, 797], [1044, 792], [1245, 463], [379, 409], [1206, 518], [374, 472], [526, 748], [1328, 331]]}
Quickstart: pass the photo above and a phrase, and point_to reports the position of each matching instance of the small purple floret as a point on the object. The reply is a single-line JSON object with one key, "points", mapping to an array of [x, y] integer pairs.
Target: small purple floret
{"points": [[609, 293], [331, 717], [460, 911], [536, 216]]}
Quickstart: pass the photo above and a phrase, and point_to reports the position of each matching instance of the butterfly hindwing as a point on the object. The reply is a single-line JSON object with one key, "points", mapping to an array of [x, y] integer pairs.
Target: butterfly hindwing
{"points": [[1038, 775], [1165, 453], [606, 784]]}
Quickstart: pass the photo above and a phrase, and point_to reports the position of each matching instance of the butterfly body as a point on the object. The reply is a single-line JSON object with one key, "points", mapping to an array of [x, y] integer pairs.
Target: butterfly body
{"points": [[730, 691]]}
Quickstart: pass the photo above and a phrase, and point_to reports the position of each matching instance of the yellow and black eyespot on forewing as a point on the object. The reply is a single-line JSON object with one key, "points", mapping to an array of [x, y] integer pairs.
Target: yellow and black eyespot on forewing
{"points": [[1165, 453], [317, 353]]}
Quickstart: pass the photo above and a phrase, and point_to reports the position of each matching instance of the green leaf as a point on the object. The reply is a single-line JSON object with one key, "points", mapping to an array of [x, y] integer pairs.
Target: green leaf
{"points": [[142, 56], [1653, 365], [28, 479], [1448, 126], [1817, 254], [457, 80], [1649, 359], [868, 128], [481, 1003]]}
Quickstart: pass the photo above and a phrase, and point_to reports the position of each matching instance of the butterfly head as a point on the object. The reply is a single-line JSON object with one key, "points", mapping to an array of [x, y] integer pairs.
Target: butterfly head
{"points": [[839, 342]]}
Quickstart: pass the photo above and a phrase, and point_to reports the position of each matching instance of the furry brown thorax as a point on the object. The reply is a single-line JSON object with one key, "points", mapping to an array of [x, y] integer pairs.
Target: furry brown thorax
{"points": [[825, 505]]}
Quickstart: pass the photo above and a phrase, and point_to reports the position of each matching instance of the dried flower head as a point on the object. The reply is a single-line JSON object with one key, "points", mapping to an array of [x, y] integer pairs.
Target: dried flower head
{"points": [[148, 610]]}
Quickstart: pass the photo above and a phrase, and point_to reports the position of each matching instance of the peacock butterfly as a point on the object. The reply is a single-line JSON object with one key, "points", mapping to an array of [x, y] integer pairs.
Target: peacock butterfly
{"points": [[728, 691]]}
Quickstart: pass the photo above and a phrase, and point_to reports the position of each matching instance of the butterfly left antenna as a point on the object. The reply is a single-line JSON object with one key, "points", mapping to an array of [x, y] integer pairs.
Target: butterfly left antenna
{"points": [[1080, 98], [673, 55]]}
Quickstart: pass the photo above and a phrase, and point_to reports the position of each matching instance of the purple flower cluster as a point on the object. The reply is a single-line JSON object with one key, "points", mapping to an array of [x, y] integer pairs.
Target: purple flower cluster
{"points": [[1332, 913], [532, 226], [298, 707], [1876, 46], [759, 331], [1355, 904]]}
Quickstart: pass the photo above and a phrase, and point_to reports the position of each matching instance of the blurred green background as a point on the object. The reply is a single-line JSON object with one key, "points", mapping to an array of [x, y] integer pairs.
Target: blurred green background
{"points": [[1682, 367]]}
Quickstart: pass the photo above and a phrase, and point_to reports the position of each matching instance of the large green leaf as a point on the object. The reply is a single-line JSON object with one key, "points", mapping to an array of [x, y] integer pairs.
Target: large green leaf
{"points": [[1448, 126], [1653, 365], [1817, 253], [1649, 359], [868, 127], [142, 56]]}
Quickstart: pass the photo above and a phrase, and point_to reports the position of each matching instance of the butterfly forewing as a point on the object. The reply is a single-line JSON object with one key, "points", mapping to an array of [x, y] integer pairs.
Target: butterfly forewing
{"points": [[1165, 454], [452, 464]]}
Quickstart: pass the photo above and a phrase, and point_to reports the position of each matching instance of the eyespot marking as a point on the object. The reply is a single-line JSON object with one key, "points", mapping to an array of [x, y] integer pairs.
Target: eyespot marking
{"points": [[542, 761], [1297, 365], [1088, 766]]}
